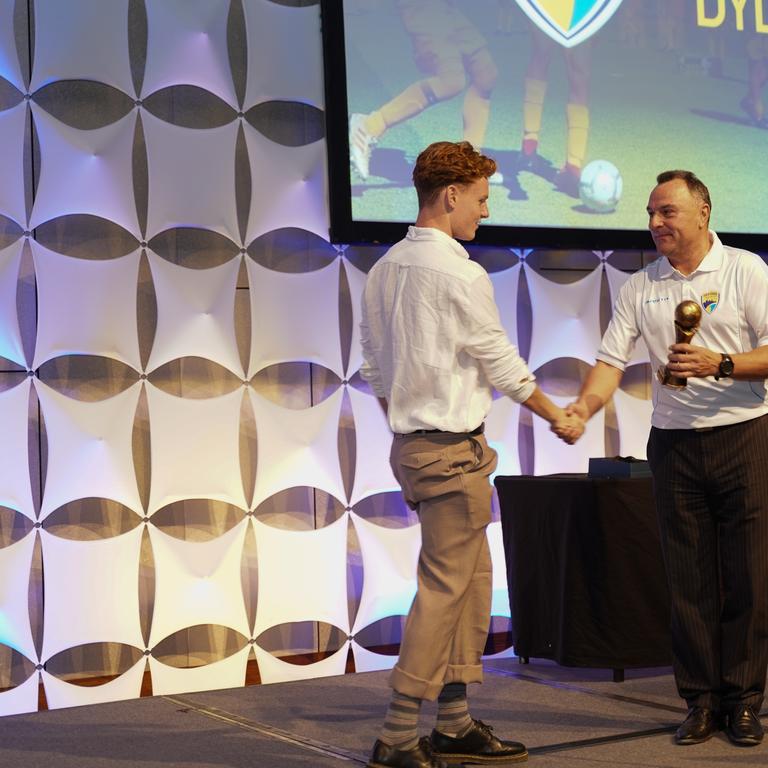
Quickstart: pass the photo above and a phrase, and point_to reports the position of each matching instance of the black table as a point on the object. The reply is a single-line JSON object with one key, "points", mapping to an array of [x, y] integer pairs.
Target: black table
{"points": [[585, 572]]}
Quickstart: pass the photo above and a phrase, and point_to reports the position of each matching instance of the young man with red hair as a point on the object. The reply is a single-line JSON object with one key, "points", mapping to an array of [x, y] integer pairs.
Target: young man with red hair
{"points": [[434, 350]]}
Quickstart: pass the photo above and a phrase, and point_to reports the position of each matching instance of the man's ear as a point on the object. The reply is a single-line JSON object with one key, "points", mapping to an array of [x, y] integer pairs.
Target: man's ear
{"points": [[705, 214], [451, 193]]}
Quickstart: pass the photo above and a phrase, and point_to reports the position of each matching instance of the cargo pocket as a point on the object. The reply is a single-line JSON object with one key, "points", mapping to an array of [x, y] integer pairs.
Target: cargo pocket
{"points": [[424, 475]]}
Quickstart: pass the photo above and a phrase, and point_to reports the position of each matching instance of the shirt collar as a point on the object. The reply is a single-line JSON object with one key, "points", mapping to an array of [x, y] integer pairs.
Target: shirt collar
{"points": [[430, 233], [710, 263]]}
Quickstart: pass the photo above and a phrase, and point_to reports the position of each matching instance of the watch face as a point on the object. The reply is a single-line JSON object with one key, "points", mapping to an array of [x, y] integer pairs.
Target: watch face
{"points": [[726, 367]]}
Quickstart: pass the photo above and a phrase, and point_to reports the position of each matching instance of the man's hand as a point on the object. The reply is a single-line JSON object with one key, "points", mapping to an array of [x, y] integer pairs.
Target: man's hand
{"points": [[568, 427], [688, 361], [578, 408]]}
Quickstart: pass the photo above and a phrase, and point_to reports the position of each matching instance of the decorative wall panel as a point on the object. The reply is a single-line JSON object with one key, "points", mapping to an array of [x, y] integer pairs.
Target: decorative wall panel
{"points": [[86, 307], [634, 418], [198, 583], [505, 287], [195, 313], [167, 167], [21, 699], [372, 471], [9, 59], [297, 447], [290, 186], [566, 318], [88, 41], [310, 567], [59, 693], [195, 448], [15, 488], [389, 570], [277, 71], [367, 661], [191, 177], [284, 312], [95, 602], [227, 673], [10, 336], [85, 171], [273, 670], [12, 127], [15, 571], [187, 45], [89, 449], [501, 431], [356, 281]]}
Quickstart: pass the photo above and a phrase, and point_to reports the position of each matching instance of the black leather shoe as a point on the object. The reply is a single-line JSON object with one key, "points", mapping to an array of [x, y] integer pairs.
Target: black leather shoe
{"points": [[478, 745], [743, 727], [699, 726], [420, 756]]}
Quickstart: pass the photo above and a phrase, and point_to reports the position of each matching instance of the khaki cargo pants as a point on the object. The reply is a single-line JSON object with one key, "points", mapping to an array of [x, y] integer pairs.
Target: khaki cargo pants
{"points": [[445, 477]]}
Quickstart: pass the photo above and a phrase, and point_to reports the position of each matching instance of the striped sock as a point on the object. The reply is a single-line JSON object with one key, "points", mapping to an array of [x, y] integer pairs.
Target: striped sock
{"points": [[452, 712], [400, 729]]}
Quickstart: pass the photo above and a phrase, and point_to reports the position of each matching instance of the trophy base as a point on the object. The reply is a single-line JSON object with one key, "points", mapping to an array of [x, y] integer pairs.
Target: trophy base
{"points": [[670, 380]]}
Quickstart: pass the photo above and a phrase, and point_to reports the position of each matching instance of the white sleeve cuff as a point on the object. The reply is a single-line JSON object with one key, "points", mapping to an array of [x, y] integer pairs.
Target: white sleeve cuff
{"points": [[614, 361]]}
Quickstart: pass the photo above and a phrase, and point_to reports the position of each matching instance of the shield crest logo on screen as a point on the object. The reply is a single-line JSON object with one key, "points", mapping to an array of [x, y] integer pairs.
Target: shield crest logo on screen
{"points": [[569, 22], [710, 301]]}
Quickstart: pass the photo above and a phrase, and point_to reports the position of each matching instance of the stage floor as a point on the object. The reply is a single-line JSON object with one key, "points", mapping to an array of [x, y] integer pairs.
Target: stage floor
{"points": [[568, 718]]}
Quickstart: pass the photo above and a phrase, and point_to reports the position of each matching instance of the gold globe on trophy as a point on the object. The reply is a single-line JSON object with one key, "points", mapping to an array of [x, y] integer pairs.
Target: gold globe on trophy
{"points": [[687, 320]]}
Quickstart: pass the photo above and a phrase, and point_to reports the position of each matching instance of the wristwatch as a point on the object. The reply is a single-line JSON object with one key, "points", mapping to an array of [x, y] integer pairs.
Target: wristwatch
{"points": [[725, 369]]}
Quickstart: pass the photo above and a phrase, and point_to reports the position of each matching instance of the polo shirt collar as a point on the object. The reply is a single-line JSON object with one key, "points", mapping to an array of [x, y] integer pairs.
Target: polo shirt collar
{"points": [[430, 233], [710, 263]]}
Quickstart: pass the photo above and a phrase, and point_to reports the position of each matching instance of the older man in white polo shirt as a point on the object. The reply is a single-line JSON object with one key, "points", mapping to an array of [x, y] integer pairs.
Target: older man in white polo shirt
{"points": [[708, 451]]}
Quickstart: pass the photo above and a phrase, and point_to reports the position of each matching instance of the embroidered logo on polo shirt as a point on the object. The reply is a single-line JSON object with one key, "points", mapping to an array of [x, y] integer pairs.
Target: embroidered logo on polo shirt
{"points": [[709, 301]]}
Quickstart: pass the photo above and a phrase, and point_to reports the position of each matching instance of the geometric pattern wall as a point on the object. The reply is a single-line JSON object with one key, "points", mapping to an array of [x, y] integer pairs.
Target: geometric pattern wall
{"points": [[193, 475]]}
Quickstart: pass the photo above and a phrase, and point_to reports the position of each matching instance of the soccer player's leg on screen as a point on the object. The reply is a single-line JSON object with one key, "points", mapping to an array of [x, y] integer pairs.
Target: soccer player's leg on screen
{"points": [[436, 56], [482, 74], [534, 91], [757, 76], [577, 62]]}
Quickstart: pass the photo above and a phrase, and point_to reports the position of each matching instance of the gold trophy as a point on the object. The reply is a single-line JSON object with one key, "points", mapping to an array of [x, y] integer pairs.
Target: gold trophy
{"points": [[687, 319]]}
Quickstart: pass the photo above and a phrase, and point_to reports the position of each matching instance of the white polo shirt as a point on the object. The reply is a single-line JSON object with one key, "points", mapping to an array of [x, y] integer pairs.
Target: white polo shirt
{"points": [[731, 286]]}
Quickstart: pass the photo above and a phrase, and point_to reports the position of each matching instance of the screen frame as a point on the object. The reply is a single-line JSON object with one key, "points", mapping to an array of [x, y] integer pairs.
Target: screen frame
{"points": [[346, 230]]}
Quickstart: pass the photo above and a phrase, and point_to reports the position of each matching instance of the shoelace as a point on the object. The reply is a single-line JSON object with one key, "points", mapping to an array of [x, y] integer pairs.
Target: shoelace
{"points": [[484, 726]]}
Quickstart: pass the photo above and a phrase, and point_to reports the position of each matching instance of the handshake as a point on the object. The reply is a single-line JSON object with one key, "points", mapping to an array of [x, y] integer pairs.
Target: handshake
{"points": [[570, 422]]}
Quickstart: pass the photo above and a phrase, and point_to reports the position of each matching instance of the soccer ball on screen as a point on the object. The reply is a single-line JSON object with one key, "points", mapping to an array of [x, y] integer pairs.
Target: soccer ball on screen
{"points": [[600, 186]]}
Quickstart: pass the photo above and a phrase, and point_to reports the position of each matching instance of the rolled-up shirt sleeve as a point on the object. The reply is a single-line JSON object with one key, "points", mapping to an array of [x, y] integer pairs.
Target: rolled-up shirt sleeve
{"points": [[487, 341]]}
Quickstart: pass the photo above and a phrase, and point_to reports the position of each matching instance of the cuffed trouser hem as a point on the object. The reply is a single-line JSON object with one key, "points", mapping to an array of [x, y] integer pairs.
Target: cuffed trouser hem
{"points": [[410, 685], [464, 673]]}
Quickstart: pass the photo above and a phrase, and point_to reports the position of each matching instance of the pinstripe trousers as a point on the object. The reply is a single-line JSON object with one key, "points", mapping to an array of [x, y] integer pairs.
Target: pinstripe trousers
{"points": [[445, 477], [711, 489]]}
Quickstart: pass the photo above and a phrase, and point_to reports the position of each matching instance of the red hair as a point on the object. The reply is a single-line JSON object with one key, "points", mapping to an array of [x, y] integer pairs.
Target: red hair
{"points": [[446, 162]]}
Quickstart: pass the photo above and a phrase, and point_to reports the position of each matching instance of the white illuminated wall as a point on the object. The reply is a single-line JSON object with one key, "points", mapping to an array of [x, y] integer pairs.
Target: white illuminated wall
{"points": [[193, 477]]}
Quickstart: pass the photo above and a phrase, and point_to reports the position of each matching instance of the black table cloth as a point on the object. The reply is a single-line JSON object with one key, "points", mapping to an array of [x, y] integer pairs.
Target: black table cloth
{"points": [[585, 572]]}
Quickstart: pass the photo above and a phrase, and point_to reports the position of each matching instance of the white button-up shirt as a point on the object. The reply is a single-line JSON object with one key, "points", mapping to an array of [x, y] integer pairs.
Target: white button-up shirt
{"points": [[432, 341], [731, 286]]}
